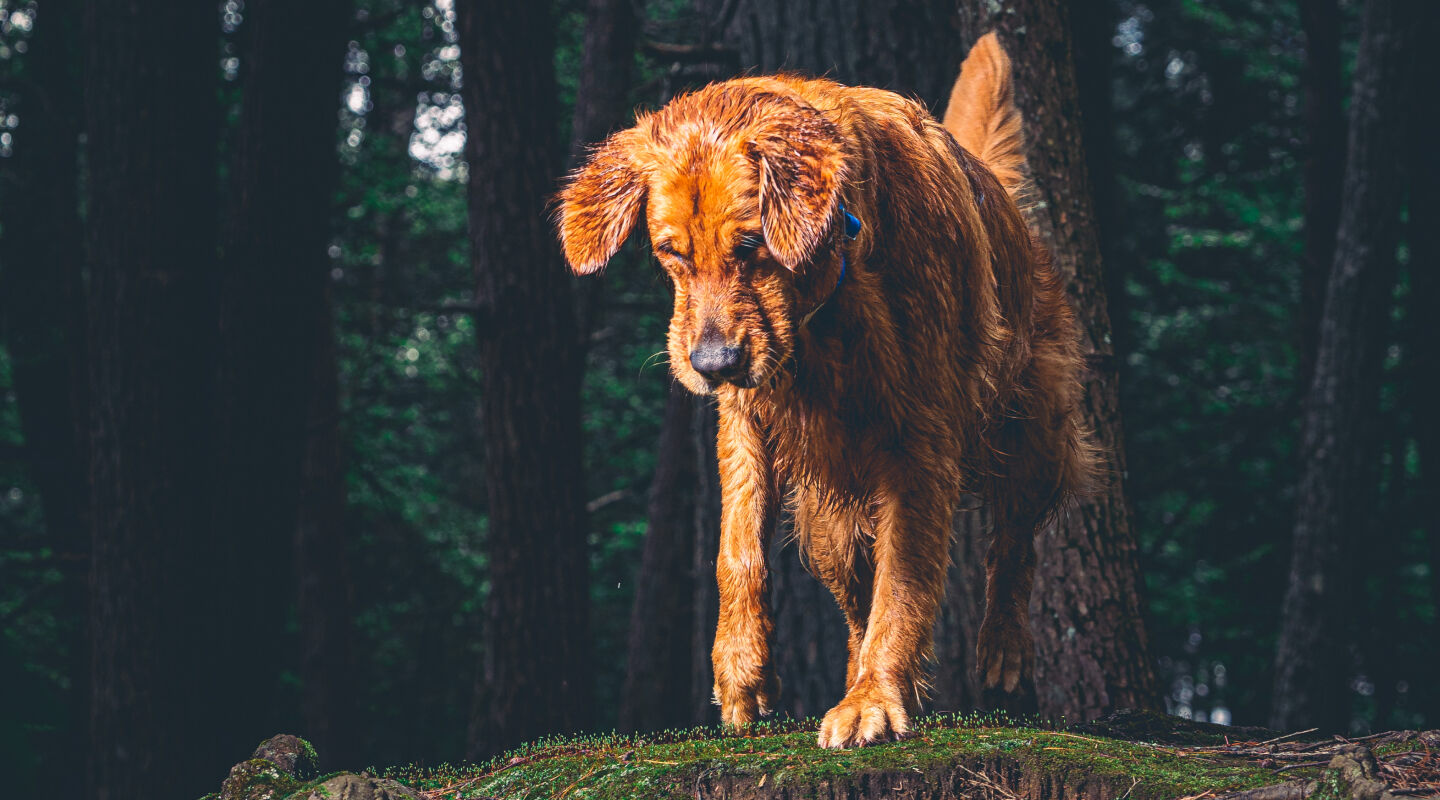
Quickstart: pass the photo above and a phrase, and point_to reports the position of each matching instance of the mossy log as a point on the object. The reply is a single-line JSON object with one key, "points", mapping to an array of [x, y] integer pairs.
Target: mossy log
{"points": [[1130, 755]]}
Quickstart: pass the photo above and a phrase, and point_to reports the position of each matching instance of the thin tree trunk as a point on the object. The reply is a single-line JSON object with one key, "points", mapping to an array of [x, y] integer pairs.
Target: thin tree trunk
{"points": [[271, 298], [706, 607], [535, 674], [1338, 482], [324, 591], [658, 664], [957, 679], [1424, 323], [42, 323], [602, 101], [1094, 70], [1324, 164], [1091, 646], [150, 125]]}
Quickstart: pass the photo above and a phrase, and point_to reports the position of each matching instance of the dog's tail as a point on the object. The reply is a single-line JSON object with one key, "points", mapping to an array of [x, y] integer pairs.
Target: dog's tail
{"points": [[982, 115]]}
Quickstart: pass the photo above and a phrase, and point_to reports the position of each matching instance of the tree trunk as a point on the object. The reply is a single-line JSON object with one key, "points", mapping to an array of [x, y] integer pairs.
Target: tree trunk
{"points": [[602, 101], [324, 592], [271, 300], [706, 607], [535, 674], [908, 47], [1338, 483], [42, 324], [1092, 653], [150, 125], [1324, 163], [1423, 322], [957, 678], [658, 665], [1094, 33]]}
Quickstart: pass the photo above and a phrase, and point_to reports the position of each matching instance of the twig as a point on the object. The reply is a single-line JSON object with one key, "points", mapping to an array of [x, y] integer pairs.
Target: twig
{"points": [[1286, 736]]}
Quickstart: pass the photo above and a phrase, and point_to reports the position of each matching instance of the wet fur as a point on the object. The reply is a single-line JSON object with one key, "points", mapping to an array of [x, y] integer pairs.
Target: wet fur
{"points": [[946, 361]]}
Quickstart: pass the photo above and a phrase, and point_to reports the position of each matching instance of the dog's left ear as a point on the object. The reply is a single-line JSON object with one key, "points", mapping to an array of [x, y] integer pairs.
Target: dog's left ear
{"points": [[600, 204], [802, 166]]}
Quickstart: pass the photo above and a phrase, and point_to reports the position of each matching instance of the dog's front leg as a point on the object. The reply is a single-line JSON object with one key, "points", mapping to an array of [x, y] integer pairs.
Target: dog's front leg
{"points": [[910, 558], [745, 685]]}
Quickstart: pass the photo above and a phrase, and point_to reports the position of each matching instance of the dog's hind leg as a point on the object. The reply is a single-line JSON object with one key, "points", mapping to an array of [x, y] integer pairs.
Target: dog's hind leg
{"points": [[1005, 653], [910, 558], [745, 684]]}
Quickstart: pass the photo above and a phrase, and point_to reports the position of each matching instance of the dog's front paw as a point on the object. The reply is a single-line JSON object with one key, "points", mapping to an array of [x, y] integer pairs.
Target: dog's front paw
{"points": [[743, 704], [868, 714], [1005, 655]]}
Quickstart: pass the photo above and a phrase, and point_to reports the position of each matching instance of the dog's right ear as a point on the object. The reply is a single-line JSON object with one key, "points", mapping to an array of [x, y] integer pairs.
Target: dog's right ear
{"points": [[599, 206]]}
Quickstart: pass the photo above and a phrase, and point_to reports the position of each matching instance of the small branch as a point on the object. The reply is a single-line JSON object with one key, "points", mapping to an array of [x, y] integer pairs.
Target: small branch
{"points": [[608, 499], [691, 53]]}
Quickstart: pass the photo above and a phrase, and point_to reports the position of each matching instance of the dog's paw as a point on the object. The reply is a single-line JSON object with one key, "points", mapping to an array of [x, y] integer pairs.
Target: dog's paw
{"points": [[742, 705], [866, 715], [1005, 655]]}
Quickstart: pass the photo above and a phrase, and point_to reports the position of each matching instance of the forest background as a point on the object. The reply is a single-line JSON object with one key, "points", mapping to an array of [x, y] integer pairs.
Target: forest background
{"points": [[303, 427]]}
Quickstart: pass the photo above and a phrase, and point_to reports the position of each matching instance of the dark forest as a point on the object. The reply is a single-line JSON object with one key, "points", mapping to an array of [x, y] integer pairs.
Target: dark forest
{"points": [[305, 426]]}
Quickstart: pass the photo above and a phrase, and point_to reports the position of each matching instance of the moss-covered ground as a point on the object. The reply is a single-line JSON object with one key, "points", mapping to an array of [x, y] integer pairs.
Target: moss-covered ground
{"points": [[780, 755]]}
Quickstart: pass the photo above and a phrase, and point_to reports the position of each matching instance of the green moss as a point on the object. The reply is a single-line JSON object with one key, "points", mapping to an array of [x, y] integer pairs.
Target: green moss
{"points": [[673, 763]]}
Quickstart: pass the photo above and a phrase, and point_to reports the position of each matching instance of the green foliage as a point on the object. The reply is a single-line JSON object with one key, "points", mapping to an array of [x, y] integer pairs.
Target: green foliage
{"points": [[1211, 194]]}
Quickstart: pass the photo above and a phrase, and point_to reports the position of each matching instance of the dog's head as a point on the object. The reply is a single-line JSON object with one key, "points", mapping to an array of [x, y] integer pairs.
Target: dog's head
{"points": [[740, 187]]}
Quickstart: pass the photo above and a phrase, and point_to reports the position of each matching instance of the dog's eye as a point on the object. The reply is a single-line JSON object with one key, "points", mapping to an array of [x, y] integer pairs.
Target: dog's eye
{"points": [[747, 245]]}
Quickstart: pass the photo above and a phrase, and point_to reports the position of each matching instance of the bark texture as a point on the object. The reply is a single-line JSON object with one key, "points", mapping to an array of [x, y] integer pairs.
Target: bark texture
{"points": [[42, 325], [706, 607], [535, 674], [658, 666], [909, 47], [1424, 236], [1324, 165], [1338, 447], [150, 124], [602, 101], [272, 301], [324, 601], [1092, 652]]}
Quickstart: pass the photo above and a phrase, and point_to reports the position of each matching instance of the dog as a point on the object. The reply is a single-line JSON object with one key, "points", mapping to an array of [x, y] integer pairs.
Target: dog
{"points": [[856, 285]]}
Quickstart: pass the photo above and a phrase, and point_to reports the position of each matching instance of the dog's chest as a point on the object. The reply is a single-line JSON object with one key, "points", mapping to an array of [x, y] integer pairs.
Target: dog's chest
{"points": [[831, 441]]}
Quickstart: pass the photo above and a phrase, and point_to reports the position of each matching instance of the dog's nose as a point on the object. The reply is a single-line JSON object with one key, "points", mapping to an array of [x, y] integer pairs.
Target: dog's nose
{"points": [[714, 359]]}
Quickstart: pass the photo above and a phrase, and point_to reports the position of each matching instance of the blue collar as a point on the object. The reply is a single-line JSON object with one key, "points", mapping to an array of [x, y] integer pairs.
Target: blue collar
{"points": [[852, 230]]}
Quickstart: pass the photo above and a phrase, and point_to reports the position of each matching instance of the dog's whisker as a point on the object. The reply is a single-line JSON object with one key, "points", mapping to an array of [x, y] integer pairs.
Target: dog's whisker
{"points": [[662, 357]]}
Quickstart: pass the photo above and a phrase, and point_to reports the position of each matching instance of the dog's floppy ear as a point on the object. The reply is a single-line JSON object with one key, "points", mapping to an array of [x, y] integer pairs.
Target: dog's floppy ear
{"points": [[599, 206], [802, 166]]}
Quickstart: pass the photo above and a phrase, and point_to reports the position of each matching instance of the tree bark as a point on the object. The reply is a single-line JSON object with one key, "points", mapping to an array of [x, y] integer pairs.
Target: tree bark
{"points": [[658, 664], [1424, 323], [42, 323], [1324, 164], [909, 47], [1338, 483], [150, 126], [535, 674], [602, 101], [1091, 646], [706, 608], [324, 602], [272, 298]]}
